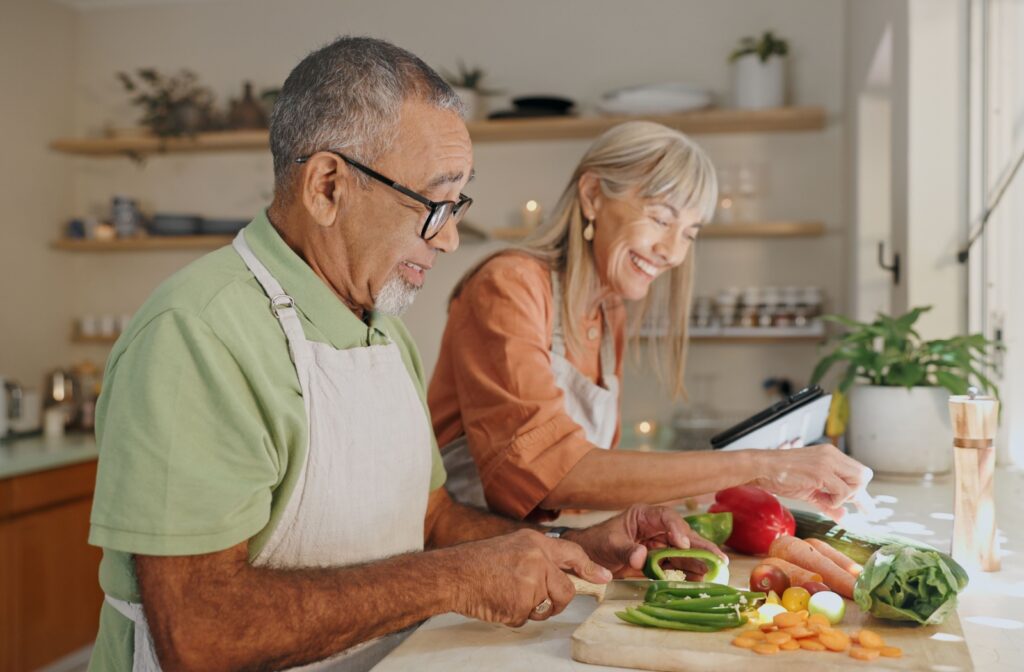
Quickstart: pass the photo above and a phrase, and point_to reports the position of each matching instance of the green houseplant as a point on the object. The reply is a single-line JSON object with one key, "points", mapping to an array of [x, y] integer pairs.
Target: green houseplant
{"points": [[759, 73], [899, 422], [468, 82], [171, 105]]}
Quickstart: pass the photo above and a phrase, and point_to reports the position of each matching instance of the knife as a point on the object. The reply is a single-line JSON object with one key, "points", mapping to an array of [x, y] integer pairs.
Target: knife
{"points": [[617, 589]]}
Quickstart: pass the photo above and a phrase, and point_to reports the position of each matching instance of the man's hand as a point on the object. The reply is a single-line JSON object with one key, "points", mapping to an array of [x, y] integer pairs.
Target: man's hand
{"points": [[504, 579], [821, 475], [621, 543]]}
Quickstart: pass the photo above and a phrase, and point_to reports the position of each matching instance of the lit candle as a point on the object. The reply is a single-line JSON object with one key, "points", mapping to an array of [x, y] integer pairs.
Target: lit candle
{"points": [[531, 215]]}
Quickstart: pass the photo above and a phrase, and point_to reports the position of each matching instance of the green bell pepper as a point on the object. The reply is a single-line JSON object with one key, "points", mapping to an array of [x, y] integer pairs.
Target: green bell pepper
{"points": [[718, 571], [715, 527]]}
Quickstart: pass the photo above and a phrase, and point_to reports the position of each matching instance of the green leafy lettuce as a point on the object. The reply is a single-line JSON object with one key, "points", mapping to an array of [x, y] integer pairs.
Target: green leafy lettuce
{"points": [[900, 583]]}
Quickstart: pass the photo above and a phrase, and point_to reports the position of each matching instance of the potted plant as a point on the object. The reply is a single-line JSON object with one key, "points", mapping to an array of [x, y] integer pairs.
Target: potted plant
{"points": [[899, 421], [174, 105], [468, 83], [759, 73]]}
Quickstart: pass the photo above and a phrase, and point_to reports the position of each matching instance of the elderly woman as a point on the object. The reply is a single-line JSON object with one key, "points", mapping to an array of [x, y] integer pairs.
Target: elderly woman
{"points": [[525, 396]]}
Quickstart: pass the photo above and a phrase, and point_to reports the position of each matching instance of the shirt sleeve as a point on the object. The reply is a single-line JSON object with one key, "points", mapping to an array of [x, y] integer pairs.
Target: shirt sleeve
{"points": [[187, 463], [522, 439]]}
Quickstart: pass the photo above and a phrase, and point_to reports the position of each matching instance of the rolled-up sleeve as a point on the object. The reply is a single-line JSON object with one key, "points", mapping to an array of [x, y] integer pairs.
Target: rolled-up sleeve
{"points": [[512, 410]]}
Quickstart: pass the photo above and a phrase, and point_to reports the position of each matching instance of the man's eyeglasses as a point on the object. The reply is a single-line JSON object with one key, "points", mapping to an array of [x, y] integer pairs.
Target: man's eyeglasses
{"points": [[439, 211]]}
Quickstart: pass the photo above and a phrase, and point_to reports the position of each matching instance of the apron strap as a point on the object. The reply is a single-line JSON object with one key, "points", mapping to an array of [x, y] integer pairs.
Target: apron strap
{"points": [[144, 659], [558, 338], [281, 305]]}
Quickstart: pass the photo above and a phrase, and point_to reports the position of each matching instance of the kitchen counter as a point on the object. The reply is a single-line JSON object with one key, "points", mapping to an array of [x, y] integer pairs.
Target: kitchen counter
{"points": [[990, 609], [36, 453]]}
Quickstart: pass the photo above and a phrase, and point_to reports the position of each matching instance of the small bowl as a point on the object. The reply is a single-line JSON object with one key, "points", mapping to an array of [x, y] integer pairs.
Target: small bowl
{"points": [[222, 227], [554, 105], [174, 225]]}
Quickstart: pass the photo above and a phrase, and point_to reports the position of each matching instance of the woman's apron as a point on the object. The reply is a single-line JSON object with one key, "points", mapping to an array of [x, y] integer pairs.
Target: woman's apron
{"points": [[361, 494], [593, 407]]}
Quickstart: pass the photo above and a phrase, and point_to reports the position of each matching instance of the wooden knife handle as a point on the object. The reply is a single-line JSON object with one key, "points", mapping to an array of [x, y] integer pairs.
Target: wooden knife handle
{"points": [[582, 587]]}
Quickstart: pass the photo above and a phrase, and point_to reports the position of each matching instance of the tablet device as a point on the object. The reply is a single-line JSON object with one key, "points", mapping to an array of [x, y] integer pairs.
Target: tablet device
{"points": [[800, 418]]}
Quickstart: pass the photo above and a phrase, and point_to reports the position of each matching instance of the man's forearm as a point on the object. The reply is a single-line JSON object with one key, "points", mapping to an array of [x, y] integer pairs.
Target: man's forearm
{"points": [[217, 611], [611, 480], [449, 522]]}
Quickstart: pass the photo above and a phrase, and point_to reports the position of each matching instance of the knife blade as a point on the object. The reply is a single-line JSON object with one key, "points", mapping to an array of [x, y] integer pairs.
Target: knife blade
{"points": [[617, 589]]}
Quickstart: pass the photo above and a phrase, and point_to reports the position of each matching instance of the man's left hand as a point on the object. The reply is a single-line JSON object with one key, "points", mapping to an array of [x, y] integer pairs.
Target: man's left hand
{"points": [[621, 543]]}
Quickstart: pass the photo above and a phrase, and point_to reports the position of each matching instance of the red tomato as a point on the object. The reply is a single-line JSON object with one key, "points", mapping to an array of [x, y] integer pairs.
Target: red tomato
{"points": [[767, 578]]}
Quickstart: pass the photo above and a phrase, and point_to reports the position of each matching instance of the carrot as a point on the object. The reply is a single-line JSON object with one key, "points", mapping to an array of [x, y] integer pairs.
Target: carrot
{"points": [[802, 554], [797, 575], [837, 557]]}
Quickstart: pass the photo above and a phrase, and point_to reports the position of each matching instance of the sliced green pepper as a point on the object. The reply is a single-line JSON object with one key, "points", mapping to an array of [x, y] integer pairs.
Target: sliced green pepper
{"points": [[660, 590], [727, 602], [637, 617], [729, 620], [715, 527], [718, 571]]}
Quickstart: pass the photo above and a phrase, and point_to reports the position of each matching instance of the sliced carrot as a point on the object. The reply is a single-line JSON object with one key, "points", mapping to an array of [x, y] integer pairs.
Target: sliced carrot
{"points": [[820, 620], [787, 620], [891, 651], [835, 640], [766, 649], [753, 634], [860, 653], [791, 645], [744, 642], [799, 632], [870, 639], [803, 555], [845, 562], [778, 637], [767, 627], [797, 575], [811, 644]]}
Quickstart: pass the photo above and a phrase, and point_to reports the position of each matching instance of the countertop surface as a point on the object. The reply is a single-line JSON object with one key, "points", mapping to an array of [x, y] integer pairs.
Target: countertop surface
{"points": [[28, 455], [991, 610]]}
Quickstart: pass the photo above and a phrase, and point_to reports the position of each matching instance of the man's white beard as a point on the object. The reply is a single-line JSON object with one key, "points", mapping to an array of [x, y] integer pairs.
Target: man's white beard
{"points": [[396, 295]]}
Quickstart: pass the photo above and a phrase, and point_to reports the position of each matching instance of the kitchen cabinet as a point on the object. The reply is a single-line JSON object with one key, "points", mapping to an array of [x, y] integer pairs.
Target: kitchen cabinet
{"points": [[49, 590]]}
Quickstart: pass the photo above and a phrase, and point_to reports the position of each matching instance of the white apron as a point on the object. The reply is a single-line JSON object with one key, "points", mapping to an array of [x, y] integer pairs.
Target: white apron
{"points": [[593, 407], [362, 492]]}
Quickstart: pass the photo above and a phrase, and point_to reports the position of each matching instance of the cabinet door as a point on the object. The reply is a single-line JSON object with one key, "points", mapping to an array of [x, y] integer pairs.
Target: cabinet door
{"points": [[49, 590]]}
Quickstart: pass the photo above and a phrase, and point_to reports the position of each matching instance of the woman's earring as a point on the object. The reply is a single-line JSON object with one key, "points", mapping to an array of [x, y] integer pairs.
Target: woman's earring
{"points": [[588, 231]]}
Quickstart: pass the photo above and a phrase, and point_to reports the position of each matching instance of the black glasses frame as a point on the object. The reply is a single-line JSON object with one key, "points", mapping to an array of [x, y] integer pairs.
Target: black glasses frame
{"points": [[439, 211]]}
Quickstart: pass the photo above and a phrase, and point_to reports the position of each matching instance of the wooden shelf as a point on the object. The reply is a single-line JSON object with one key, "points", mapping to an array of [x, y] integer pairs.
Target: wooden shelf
{"points": [[142, 243], [715, 120], [757, 340], [79, 339], [764, 230]]}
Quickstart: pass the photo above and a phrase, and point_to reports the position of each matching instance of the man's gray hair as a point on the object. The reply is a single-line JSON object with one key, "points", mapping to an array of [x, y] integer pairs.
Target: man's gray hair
{"points": [[347, 96]]}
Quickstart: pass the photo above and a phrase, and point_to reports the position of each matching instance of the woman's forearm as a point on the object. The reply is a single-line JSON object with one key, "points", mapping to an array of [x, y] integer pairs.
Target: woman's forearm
{"points": [[614, 479]]}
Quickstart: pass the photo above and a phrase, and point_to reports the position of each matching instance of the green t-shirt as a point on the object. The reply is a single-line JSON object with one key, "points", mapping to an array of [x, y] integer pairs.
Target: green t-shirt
{"points": [[201, 416]]}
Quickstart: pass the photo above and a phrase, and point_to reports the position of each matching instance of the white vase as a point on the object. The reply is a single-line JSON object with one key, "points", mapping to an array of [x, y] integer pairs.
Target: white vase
{"points": [[758, 85], [901, 432], [473, 102]]}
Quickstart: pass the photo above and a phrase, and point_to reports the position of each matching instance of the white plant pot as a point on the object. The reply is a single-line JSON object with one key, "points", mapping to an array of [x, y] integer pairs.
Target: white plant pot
{"points": [[473, 102], [901, 432], [758, 85]]}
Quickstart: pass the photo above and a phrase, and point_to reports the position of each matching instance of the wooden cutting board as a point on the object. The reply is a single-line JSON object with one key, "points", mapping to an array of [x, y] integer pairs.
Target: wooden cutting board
{"points": [[605, 640]]}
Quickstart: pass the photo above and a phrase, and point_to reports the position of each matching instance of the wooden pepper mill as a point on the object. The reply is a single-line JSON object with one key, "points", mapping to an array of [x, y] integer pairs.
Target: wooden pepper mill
{"points": [[975, 420]]}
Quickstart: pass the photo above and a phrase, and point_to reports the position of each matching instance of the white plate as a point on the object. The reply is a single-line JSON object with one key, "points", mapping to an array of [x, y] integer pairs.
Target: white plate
{"points": [[655, 99]]}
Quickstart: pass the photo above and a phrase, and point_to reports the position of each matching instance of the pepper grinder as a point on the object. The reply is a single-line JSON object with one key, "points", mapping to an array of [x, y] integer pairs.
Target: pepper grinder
{"points": [[975, 420]]}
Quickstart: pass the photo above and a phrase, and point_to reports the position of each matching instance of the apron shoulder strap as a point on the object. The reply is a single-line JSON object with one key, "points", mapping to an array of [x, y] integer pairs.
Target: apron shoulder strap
{"points": [[281, 305]]}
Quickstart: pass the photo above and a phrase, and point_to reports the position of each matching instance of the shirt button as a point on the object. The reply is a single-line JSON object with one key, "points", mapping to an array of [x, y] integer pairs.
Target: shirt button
{"points": [[592, 333]]}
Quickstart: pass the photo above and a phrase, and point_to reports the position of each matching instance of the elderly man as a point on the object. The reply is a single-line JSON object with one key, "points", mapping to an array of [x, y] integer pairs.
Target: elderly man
{"points": [[268, 476]]}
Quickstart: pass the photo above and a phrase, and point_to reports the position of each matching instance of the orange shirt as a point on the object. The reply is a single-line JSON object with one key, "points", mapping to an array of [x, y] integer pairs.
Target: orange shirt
{"points": [[493, 382]]}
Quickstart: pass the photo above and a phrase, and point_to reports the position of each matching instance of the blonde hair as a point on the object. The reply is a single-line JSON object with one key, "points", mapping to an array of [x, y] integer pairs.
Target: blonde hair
{"points": [[659, 163]]}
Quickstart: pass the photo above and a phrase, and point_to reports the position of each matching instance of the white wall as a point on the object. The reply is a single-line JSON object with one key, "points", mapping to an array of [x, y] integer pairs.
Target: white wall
{"points": [[36, 44], [578, 48]]}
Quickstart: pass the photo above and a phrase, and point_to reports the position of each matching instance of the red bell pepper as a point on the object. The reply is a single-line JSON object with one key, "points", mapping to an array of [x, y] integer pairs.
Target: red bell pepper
{"points": [[758, 518]]}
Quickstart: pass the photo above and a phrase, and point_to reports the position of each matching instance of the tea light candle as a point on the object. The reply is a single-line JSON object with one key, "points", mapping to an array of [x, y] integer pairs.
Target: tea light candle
{"points": [[531, 215]]}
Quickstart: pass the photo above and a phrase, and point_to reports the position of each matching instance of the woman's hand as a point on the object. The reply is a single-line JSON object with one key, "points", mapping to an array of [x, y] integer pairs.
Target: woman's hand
{"points": [[820, 474], [621, 543]]}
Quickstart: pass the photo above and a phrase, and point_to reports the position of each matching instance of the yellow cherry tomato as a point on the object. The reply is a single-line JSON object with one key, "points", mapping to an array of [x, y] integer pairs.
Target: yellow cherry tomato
{"points": [[795, 598]]}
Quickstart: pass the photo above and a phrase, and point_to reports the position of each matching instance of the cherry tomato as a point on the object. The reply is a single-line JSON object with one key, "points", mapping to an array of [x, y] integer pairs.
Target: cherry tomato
{"points": [[795, 598], [813, 587], [767, 578]]}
